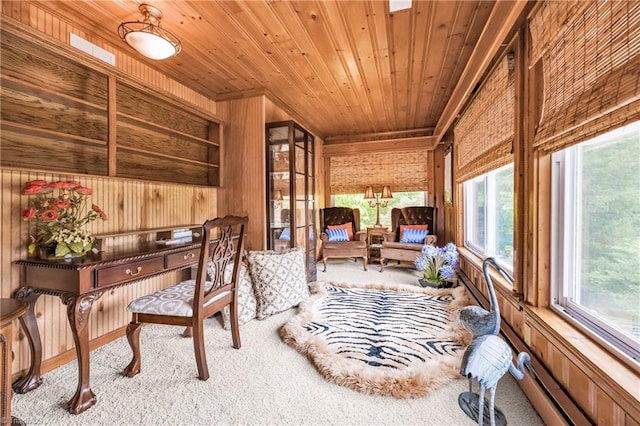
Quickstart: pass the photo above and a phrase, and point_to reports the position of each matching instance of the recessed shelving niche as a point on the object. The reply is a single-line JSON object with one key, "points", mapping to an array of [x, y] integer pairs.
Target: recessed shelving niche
{"points": [[56, 110]]}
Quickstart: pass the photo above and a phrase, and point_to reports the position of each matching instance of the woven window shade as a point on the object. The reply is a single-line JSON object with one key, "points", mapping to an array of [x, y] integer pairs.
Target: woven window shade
{"points": [[484, 133], [402, 171], [549, 20], [591, 76]]}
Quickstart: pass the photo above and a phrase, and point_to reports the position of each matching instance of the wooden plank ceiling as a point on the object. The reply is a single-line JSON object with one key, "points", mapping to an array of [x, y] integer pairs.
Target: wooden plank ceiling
{"points": [[346, 69]]}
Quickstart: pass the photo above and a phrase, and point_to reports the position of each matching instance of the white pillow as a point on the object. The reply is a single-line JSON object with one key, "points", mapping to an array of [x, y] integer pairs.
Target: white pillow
{"points": [[279, 280]]}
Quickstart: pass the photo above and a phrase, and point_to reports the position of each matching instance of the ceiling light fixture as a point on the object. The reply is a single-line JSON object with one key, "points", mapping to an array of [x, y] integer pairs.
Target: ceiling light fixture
{"points": [[396, 5], [147, 37]]}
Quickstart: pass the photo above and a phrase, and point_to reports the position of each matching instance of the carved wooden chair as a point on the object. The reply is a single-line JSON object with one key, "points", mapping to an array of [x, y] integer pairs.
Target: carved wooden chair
{"points": [[190, 302], [355, 247], [393, 248]]}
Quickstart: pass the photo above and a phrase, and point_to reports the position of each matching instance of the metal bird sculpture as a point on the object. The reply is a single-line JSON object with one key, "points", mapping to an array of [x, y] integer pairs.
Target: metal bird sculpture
{"points": [[476, 319], [487, 359]]}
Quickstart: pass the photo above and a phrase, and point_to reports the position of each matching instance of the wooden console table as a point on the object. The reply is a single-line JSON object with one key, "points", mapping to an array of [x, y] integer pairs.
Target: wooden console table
{"points": [[79, 283]]}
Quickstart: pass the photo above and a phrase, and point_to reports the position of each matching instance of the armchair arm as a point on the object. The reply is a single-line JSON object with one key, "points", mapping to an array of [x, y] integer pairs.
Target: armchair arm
{"points": [[360, 236], [430, 240], [324, 237], [389, 237]]}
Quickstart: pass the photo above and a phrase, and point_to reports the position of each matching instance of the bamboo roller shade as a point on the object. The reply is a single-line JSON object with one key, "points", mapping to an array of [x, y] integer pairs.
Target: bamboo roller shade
{"points": [[591, 74], [484, 133], [548, 22], [402, 171]]}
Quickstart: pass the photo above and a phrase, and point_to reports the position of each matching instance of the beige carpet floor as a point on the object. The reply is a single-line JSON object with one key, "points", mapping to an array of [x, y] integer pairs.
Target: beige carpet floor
{"points": [[263, 383]]}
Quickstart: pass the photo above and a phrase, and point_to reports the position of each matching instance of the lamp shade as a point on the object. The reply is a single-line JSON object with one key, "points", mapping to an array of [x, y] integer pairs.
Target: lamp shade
{"points": [[386, 192], [150, 44], [368, 193], [147, 37]]}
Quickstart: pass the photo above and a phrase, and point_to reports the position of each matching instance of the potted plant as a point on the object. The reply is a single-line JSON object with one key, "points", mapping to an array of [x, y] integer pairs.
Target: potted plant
{"points": [[438, 265], [60, 218]]}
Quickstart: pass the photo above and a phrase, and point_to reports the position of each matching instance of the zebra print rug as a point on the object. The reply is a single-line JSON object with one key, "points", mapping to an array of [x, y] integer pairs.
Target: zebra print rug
{"points": [[392, 340]]}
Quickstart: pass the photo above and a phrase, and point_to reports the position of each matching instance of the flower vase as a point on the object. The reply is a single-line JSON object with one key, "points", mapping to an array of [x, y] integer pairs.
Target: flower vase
{"points": [[49, 253], [445, 284], [45, 252]]}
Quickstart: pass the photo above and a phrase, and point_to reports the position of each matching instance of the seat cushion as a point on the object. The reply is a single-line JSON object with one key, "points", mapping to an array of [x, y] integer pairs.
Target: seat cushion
{"points": [[176, 300], [279, 280], [403, 246]]}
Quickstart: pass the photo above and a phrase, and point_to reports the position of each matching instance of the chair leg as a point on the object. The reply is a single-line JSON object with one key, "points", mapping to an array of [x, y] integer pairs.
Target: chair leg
{"points": [[364, 262], [198, 347], [188, 332], [324, 260], [235, 326], [382, 264], [133, 336]]}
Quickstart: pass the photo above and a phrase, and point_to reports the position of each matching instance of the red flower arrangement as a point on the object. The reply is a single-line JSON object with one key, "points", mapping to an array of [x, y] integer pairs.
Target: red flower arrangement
{"points": [[60, 219]]}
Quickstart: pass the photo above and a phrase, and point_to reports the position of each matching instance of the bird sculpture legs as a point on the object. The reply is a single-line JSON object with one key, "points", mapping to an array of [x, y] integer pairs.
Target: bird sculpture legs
{"points": [[492, 407]]}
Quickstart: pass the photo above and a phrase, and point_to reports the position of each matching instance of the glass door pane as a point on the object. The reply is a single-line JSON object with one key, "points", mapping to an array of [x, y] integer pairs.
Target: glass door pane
{"points": [[278, 189]]}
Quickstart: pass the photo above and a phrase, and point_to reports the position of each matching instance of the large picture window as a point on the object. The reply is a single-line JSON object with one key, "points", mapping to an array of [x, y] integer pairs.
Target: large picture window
{"points": [[488, 212], [368, 213], [596, 250]]}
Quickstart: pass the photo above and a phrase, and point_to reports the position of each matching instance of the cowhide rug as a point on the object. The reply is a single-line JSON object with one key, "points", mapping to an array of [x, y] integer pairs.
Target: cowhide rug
{"points": [[393, 340]]}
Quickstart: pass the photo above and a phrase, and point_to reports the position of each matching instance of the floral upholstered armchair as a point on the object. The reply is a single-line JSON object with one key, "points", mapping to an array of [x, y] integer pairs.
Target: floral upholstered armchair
{"points": [[341, 236], [411, 228]]}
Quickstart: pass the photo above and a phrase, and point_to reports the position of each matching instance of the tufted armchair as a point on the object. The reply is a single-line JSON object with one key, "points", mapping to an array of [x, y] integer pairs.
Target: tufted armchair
{"points": [[356, 247], [392, 248]]}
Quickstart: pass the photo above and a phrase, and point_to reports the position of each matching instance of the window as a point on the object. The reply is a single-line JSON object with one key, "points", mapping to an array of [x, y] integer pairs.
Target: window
{"points": [[368, 213], [488, 213], [596, 249]]}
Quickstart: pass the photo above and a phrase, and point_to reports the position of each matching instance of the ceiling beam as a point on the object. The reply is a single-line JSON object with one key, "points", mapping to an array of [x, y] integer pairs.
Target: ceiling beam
{"points": [[385, 145], [500, 24]]}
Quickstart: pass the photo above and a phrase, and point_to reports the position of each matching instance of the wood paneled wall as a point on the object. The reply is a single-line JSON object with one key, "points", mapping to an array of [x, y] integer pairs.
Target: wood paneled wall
{"points": [[243, 189], [130, 205]]}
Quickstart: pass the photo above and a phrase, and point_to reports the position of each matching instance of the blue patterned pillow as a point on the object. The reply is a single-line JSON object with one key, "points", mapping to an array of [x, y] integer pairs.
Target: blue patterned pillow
{"points": [[338, 234], [285, 235], [414, 236]]}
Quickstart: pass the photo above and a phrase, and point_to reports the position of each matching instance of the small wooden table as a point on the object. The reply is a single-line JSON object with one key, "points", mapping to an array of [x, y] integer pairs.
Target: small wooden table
{"points": [[79, 283], [10, 309], [374, 241]]}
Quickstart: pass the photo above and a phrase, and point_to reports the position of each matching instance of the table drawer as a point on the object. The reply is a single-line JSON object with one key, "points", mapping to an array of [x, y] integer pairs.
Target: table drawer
{"points": [[130, 271], [183, 257]]}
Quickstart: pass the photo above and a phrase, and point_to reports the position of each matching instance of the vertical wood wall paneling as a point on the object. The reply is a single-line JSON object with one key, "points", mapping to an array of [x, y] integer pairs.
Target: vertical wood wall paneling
{"points": [[245, 169], [130, 205]]}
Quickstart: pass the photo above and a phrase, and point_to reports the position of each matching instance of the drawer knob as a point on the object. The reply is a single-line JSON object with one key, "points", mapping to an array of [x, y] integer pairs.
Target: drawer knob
{"points": [[133, 274], [189, 256]]}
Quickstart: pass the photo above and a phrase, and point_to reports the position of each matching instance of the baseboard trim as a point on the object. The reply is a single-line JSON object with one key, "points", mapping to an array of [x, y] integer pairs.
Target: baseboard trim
{"points": [[552, 403]]}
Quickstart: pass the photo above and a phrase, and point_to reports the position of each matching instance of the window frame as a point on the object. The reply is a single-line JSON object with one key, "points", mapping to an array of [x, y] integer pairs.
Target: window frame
{"points": [[490, 209], [566, 253]]}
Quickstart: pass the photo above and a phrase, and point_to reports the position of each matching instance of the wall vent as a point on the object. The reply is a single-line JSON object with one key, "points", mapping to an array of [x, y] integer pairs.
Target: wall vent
{"points": [[93, 50]]}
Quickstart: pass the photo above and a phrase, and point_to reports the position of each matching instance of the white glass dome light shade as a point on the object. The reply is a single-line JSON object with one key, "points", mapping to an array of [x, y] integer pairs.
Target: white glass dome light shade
{"points": [[147, 37], [151, 45]]}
